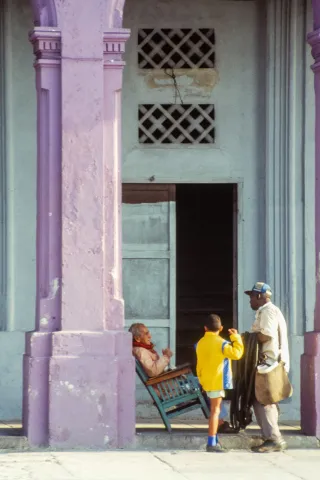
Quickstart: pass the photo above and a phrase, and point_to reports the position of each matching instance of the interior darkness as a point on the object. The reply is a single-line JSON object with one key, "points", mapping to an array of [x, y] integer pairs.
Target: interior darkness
{"points": [[204, 261]]}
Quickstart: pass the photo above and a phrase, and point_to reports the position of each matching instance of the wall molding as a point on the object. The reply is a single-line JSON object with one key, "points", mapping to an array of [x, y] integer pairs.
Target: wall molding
{"points": [[285, 68], [3, 178]]}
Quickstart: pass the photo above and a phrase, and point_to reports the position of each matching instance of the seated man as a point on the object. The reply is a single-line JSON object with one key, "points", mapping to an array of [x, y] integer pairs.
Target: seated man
{"points": [[154, 364], [143, 349]]}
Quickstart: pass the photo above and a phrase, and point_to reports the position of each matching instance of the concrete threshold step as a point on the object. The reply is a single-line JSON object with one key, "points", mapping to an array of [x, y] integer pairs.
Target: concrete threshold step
{"points": [[196, 441], [13, 442], [179, 441]]}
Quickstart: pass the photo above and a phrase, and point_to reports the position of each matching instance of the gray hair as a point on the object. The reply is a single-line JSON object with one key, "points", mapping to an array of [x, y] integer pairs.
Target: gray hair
{"points": [[135, 329]]}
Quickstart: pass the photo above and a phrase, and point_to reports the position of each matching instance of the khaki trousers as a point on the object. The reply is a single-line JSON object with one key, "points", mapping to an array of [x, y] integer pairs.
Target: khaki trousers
{"points": [[267, 417]]}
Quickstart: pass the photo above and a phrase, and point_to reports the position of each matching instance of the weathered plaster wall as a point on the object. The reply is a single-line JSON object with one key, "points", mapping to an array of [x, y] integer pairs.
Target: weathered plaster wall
{"points": [[239, 115], [309, 184], [238, 89], [235, 157], [21, 201], [304, 300], [21, 160]]}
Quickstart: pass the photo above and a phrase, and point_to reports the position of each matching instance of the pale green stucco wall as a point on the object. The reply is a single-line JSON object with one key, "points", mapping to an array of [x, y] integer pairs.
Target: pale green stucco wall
{"points": [[21, 161], [21, 201], [21, 171], [245, 151]]}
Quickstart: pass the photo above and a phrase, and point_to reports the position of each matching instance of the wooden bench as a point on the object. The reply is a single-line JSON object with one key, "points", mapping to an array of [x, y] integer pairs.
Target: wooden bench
{"points": [[174, 392]]}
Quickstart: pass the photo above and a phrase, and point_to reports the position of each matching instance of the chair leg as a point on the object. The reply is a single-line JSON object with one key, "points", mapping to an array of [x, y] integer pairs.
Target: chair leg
{"points": [[165, 418], [167, 423]]}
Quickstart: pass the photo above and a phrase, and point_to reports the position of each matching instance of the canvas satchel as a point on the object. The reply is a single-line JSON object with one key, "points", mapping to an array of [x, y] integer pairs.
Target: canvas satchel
{"points": [[273, 385]]}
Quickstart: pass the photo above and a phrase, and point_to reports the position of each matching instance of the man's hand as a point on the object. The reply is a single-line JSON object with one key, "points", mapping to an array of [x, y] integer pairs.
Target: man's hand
{"points": [[167, 352], [233, 331]]}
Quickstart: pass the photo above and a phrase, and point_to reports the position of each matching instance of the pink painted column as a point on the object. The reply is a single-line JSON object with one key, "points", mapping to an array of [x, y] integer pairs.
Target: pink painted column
{"points": [[47, 48], [92, 372], [79, 372], [114, 46], [310, 361]]}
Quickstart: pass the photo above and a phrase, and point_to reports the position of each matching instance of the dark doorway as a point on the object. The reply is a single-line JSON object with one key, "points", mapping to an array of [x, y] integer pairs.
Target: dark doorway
{"points": [[206, 261]]}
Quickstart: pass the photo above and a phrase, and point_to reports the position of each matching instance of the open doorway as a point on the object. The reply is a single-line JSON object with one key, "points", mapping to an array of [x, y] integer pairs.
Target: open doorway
{"points": [[206, 269]]}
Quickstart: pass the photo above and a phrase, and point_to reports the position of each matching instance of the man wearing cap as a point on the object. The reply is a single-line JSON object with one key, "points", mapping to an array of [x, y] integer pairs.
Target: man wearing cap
{"points": [[271, 328]]}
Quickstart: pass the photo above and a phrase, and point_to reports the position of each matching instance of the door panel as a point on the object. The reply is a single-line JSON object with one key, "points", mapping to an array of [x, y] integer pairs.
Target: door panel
{"points": [[149, 242]]}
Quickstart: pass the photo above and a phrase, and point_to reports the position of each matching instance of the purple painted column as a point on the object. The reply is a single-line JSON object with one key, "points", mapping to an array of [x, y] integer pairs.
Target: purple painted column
{"points": [[114, 46], [79, 372], [46, 43], [92, 374], [310, 361]]}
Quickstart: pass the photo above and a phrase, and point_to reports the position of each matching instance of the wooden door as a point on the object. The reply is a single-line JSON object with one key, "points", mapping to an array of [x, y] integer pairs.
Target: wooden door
{"points": [[149, 243]]}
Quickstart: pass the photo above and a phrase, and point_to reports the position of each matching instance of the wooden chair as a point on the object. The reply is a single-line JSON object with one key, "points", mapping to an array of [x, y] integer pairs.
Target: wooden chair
{"points": [[174, 392]]}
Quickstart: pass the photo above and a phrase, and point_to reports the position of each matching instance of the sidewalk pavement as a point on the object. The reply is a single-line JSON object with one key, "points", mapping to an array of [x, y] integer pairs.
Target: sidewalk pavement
{"points": [[144, 465]]}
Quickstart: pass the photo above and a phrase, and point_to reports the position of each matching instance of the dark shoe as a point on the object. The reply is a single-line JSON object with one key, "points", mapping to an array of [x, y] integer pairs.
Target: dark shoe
{"points": [[270, 446], [215, 448], [225, 427]]}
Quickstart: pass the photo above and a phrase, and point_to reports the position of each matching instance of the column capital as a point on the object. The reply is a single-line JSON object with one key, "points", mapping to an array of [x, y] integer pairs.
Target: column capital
{"points": [[314, 42], [46, 43], [114, 41]]}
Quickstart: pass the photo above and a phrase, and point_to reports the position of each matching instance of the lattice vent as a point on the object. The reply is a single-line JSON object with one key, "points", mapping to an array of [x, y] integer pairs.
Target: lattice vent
{"points": [[176, 48], [176, 124]]}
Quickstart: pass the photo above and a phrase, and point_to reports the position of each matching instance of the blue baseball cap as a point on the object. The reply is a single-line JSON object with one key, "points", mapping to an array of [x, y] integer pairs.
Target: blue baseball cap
{"points": [[260, 287]]}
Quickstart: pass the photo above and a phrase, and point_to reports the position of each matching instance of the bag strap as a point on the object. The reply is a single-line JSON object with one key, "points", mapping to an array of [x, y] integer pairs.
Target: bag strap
{"points": [[279, 342]]}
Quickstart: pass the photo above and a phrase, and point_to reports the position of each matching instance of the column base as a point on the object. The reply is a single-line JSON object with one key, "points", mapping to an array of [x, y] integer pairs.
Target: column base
{"points": [[310, 385], [36, 387], [87, 392]]}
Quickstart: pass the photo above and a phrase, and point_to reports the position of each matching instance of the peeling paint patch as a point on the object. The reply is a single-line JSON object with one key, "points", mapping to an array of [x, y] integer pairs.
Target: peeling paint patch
{"points": [[68, 385], [193, 81], [33, 393], [106, 440], [54, 287], [44, 322], [318, 272]]}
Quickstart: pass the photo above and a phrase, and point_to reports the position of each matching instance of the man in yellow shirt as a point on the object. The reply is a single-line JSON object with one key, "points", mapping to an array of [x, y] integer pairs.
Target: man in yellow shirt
{"points": [[214, 355]]}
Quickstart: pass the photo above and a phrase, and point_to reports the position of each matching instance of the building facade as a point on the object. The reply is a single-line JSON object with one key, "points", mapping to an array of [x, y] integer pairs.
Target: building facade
{"points": [[219, 158]]}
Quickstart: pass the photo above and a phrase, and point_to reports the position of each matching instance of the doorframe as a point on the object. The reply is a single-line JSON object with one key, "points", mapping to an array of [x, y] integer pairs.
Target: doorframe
{"points": [[238, 222], [240, 242], [235, 255], [3, 180]]}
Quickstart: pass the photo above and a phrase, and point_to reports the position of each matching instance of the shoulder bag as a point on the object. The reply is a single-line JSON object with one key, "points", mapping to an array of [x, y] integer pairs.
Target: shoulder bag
{"points": [[273, 385]]}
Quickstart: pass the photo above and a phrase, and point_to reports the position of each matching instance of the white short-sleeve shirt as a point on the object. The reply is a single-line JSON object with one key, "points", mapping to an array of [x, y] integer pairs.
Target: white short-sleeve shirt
{"points": [[268, 319]]}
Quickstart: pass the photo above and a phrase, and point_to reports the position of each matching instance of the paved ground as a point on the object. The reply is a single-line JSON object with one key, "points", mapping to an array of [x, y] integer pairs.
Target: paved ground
{"points": [[122, 465]]}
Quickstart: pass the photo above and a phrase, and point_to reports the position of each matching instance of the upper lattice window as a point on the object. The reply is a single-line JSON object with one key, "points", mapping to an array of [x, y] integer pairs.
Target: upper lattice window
{"points": [[176, 48]]}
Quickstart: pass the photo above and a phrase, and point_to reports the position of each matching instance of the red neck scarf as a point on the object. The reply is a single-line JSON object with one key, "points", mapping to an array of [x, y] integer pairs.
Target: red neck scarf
{"points": [[143, 345]]}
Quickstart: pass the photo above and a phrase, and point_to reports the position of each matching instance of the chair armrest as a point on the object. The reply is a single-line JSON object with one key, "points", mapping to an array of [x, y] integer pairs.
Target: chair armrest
{"points": [[177, 372]]}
